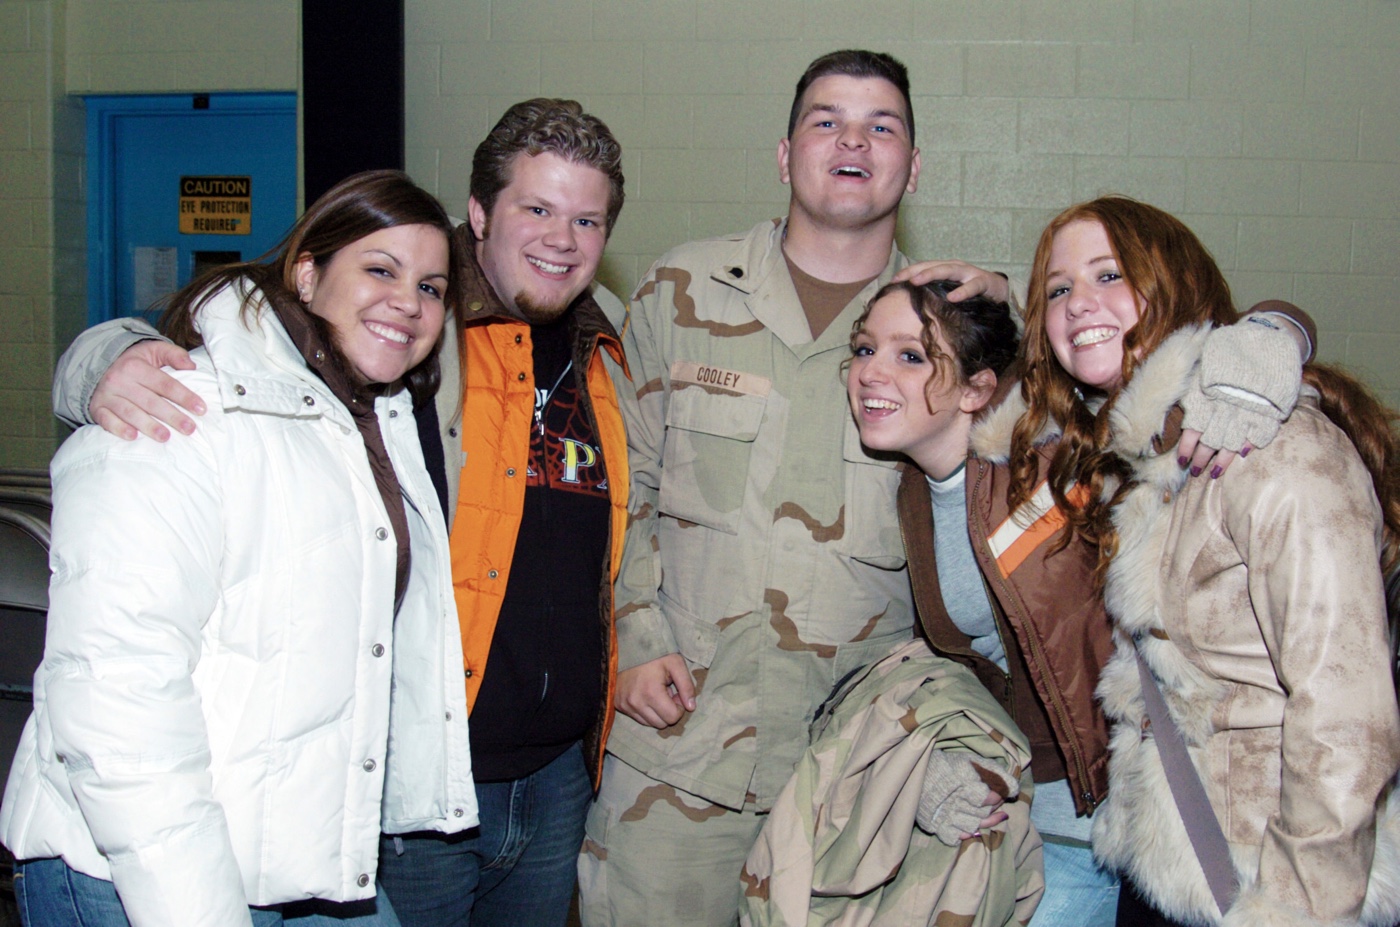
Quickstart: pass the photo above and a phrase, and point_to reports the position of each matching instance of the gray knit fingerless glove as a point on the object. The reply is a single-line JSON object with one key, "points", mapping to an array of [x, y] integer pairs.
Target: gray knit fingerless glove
{"points": [[1247, 383], [955, 787]]}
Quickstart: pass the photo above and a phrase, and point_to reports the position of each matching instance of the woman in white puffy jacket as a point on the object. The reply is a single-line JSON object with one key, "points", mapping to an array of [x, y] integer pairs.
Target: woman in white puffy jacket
{"points": [[213, 738]]}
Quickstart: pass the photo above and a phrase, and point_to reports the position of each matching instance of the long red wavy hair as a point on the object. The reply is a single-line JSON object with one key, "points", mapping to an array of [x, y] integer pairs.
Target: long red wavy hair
{"points": [[1178, 284]]}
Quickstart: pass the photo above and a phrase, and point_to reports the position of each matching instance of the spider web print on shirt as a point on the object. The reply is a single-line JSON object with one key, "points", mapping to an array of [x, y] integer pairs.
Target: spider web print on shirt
{"points": [[566, 456]]}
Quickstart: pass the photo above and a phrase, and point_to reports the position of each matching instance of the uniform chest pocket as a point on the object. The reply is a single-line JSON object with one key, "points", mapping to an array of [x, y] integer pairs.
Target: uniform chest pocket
{"points": [[705, 468], [872, 520]]}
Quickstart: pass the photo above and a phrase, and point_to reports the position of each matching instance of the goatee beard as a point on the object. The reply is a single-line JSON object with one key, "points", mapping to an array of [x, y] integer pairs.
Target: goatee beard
{"points": [[537, 313]]}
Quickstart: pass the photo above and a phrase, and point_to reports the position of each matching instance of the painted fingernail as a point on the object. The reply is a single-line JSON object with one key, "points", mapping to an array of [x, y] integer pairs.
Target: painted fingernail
{"points": [[1195, 471], [1182, 461], [1215, 473], [1244, 451]]}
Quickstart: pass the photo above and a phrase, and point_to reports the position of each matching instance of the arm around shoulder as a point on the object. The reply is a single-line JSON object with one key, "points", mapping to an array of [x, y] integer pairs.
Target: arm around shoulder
{"points": [[87, 359], [1246, 384], [112, 376]]}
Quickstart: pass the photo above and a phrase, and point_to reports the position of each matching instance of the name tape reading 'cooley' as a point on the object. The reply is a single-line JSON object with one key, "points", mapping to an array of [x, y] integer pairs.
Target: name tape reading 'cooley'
{"points": [[734, 381]]}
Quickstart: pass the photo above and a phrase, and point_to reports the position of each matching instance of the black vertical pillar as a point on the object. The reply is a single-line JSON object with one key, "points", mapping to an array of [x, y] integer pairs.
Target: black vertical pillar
{"points": [[352, 89]]}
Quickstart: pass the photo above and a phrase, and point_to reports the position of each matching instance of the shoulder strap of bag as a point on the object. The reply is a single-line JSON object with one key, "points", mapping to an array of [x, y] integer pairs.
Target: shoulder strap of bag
{"points": [[1202, 826]]}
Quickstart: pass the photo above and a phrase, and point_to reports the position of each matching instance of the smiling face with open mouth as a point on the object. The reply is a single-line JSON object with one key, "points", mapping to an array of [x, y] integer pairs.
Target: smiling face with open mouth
{"points": [[1090, 308], [850, 158], [383, 298], [904, 400], [542, 242]]}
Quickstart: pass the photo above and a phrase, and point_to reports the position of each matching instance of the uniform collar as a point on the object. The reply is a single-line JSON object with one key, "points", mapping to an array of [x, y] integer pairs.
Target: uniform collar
{"points": [[755, 267]]}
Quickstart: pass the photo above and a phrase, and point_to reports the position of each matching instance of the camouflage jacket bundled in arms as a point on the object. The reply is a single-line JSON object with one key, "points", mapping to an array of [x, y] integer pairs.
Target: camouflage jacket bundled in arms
{"points": [[841, 846]]}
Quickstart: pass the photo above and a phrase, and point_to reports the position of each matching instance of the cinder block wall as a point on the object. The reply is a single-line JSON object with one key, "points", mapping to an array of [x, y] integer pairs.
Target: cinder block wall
{"points": [[1272, 127], [41, 272]]}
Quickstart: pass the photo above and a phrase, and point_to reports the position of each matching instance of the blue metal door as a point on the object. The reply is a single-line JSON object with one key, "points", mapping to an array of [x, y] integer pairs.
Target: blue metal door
{"points": [[225, 164]]}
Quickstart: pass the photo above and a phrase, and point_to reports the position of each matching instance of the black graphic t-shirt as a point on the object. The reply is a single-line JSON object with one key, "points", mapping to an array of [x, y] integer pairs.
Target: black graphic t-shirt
{"points": [[543, 680]]}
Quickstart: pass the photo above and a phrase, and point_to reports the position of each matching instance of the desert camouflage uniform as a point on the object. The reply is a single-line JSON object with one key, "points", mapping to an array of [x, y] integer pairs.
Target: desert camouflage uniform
{"points": [[764, 545], [840, 846]]}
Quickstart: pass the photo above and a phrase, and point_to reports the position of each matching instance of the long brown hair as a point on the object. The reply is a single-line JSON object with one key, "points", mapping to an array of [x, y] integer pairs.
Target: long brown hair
{"points": [[1178, 284], [360, 205]]}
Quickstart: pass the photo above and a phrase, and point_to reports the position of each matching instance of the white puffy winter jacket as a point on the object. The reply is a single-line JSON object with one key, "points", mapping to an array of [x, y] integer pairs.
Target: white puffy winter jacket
{"points": [[211, 721]]}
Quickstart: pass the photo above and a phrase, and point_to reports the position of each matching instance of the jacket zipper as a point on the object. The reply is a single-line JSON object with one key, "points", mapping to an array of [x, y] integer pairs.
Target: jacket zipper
{"points": [[1001, 636]]}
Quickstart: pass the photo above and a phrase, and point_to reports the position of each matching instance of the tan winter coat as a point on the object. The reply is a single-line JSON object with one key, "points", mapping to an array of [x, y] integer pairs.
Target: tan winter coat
{"points": [[1256, 600]]}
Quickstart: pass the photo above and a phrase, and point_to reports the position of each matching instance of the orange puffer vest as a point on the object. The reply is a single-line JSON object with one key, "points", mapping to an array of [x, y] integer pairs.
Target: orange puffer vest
{"points": [[497, 415]]}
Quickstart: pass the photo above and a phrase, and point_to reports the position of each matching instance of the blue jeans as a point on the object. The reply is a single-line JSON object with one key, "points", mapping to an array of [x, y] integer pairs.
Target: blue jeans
{"points": [[516, 869], [1078, 892], [51, 894]]}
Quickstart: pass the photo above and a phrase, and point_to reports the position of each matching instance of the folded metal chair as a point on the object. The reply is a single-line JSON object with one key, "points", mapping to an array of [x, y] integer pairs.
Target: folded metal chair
{"points": [[24, 476], [24, 604]]}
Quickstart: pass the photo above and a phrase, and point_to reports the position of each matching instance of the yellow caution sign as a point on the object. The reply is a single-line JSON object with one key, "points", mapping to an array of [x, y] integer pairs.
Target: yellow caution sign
{"points": [[216, 205]]}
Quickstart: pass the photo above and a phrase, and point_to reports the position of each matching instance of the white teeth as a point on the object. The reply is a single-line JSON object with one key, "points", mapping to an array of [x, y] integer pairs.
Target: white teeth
{"points": [[848, 171], [1093, 336], [384, 331], [548, 267], [873, 404]]}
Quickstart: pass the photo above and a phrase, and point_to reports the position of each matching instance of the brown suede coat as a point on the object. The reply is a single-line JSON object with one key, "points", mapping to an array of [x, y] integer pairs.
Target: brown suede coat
{"points": [[1052, 623]]}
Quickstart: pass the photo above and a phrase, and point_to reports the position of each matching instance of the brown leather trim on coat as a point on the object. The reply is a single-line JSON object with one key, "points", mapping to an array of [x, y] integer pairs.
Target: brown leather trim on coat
{"points": [[1012, 690], [1061, 628]]}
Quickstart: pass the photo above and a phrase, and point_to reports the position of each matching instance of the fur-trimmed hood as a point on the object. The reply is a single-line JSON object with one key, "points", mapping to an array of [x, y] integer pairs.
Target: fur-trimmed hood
{"points": [[991, 436]]}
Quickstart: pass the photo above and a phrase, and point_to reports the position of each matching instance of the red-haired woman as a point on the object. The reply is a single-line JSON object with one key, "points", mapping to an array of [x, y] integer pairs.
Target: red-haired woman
{"points": [[1255, 600]]}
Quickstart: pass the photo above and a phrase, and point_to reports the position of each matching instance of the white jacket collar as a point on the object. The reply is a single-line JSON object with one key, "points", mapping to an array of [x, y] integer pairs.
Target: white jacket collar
{"points": [[259, 370]]}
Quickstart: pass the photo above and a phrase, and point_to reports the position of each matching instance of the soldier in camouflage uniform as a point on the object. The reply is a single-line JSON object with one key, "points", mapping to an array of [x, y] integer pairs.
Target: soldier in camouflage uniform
{"points": [[763, 561]]}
